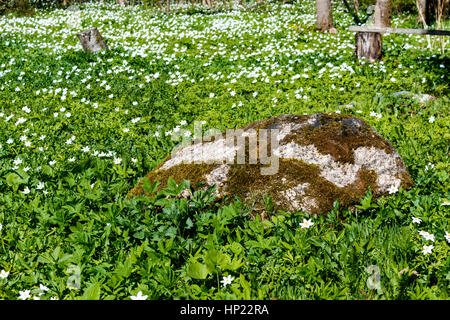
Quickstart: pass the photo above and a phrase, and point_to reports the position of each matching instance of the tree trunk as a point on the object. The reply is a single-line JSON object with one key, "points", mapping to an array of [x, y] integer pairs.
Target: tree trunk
{"points": [[426, 10], [350, 11], [423, 16], [208, 3], [324, 15], [382, 15], [356, 3], [369, 44], [92, 41], [122, 2]]}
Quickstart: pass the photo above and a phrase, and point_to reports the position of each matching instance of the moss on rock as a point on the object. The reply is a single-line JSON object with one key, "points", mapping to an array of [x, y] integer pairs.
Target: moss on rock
{"points": [[338, 135], [323, 159]]}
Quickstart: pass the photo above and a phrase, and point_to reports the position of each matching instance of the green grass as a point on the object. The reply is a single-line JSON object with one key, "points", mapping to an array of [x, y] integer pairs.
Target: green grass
{"points": [[77, 219]]}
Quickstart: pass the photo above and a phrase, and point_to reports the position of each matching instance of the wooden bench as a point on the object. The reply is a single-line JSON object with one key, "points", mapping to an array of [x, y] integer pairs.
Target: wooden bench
{"points": [[368, 41]]}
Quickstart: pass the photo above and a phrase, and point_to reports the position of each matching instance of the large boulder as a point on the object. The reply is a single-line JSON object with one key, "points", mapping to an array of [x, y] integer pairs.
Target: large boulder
{"points": [[304, 162]]}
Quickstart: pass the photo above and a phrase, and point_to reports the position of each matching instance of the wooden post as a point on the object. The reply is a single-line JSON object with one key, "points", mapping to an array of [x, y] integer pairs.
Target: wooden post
{"points": [[92, 41], [368, 45], [401, 31]]}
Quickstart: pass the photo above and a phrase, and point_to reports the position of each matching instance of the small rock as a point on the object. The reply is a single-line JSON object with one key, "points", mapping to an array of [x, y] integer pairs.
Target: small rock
{"points": [[333, 31], [423, 98], [73, 8]]}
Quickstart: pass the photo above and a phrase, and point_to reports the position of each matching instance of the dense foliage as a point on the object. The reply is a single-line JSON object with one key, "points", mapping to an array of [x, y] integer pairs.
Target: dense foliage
{"points": [[78, 131]]}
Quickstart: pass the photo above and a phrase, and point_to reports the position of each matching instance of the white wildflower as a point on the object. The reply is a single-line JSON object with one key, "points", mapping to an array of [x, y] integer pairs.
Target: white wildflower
{"points": [[24, 295], [306, 223], [427, 249], [4, 274], [139, 296], [227, 280]]}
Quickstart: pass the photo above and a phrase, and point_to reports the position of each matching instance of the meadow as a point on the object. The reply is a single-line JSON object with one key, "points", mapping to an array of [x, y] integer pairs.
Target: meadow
{"points": [[78, 131]]}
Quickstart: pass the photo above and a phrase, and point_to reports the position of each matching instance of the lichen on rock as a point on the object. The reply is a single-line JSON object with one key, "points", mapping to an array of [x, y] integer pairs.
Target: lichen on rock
{"points": [[320, 158]]}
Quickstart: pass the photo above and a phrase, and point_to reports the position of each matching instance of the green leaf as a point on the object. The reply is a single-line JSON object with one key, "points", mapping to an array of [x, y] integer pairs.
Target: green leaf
{"points": [[215, 258], [13, 179], [245, 286], [92, 293], [197, 270], [286, 245], [148, 186], [186, 184], [235, 264], [189, 223], [171, 184], [46, 169], [139, 235], [124, 269]]}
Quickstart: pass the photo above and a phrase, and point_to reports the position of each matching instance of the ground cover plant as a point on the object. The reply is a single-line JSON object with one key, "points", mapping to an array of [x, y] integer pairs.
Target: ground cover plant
{"points": [[78, 131]]}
